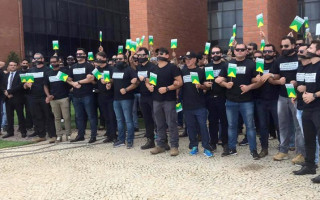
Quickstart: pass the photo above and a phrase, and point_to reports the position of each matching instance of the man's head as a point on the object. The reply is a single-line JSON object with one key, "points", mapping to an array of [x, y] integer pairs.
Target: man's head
{"points": [[101, 59], [302, 52], [216, 53], [299, 40], [314, 49], [12, 66], [143, 54], [252, 47], [24, 64], [38, 59], [191, 59], [287, 45], [240, 51], [135, 60], [201, 59], [81, 55], [257, 54], [269, 52], [54, 62], [162, 54], [61, 61], [121, 61], [70, 60]]}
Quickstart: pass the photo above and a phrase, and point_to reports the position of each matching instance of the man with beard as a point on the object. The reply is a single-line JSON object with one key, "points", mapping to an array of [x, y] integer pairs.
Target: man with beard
{"points": [[252, 47], [57, 92], [285, 68]]}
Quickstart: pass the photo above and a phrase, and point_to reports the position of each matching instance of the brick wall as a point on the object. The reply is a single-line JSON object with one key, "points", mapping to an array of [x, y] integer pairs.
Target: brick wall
{"points": [[185, 20], [277, 18], [11, 30]]}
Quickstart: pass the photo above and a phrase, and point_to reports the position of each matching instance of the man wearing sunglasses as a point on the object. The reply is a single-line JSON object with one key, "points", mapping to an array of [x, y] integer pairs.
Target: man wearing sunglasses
{"points": [[266, 99], [146, 103], [216, 101], [252, 47], [125, 80], [285, 71], [42, 114], [164, 101], [239, 99], [81, 79]]}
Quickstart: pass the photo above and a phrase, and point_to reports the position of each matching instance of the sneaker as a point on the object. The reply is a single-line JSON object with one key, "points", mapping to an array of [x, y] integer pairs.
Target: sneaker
{"points": [[280, 156], [255, 155], [52, 140], [92, 140], [244, 142], [39, 139], [213, 147], [263, 153], [225, 151], [148, 145], [298, 160], [231, 152], [129, 145], [59, 139], [207, 153], [157, 150], [194, 151], [174, 151], [108, 140], [118, 144]]}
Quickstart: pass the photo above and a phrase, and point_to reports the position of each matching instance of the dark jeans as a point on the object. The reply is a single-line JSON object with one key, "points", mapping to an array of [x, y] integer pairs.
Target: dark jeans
{"points": [[85, 106], [146, 107], [311, 128], [265, 109], [12, 106], [43, 118], [26, 105], [196, 120], [123, 110], [217, 115], [106, 110]]}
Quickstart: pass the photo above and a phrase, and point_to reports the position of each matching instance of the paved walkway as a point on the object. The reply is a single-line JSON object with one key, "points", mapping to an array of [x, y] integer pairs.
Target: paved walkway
{"points": [[80, 171]]}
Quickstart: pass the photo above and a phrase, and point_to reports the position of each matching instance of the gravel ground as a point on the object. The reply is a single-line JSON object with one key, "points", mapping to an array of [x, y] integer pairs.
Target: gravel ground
{"points": [[81, 171]]}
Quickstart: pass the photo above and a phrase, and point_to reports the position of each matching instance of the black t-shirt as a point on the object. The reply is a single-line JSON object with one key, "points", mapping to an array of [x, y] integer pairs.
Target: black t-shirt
{"points": [[79, 72], [37, 90], [217, 90], [143, 71], [268, 91], [122, 79], [193, 98], [246, 70], [102, 87], [57, 87], [286, 66], [312, 81], [165, 78], [300, 81]]}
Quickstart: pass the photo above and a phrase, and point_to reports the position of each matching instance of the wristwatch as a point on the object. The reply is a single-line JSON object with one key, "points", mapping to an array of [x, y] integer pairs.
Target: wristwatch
{"points": [[167, 89], [315, 95]]}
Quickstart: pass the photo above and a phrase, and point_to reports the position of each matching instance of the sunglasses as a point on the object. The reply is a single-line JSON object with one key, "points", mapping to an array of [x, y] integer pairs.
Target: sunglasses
{"points": [[301, 51], [141, 55], [250, 49], [242, 50], [284, 46], [119, 59], [267, 51], [161, 53], [38, 58], [215, 52], [258, 57]]}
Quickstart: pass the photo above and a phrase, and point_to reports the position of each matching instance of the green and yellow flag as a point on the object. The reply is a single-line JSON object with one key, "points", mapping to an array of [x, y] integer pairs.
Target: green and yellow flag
{"points": [[128, 42], [97, 74], [133, 46], [141, 41], [106, 76], [260, 22], [27, 78], [296, 23], [120, 49], [234, 30], [178, 107], [100, 36], [174, 43], [232, 70], [306, 22], [291, 91], [209, 73], [231, 41], [55, 45], [137, 41], [62, 76], [207, 48], [194, 78], [90, 56], [260, 65], [153, 79], [150, 40], [262, 45], [23, 78]]}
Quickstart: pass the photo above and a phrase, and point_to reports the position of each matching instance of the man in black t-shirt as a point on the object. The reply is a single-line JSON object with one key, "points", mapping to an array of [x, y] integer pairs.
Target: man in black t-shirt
{"points": [[125, 80], [311, 111], [105, 96], [57, 92], [239, 99], [165, 79], [81, 79], [146, 103], [216, 100], [285, 69]]}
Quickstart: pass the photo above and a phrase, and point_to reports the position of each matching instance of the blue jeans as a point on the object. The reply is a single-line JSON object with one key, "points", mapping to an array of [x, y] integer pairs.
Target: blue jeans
{"points": [[265, 108], [4, 121], [84, 106], [247, 113], [136, 103], [123, 111], [196, 120]]}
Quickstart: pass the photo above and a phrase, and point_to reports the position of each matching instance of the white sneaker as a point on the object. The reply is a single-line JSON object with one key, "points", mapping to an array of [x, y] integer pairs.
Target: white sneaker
{"points": [[68, 138], [59, 139]]}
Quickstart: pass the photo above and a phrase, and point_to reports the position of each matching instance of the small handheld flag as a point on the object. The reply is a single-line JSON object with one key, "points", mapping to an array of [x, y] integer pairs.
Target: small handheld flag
{"points": [[174, 43], [55, 45], [260, 22], [178, 107], [90, 56], [207, 48], [128, 41], [106, 76], [231, 41], [150, 40], [291, 91], [153, 79], [209, 73], [62, 76], [263, 44], [100, 36], [194, 78], [306, 22], [296, 23], [232, 70], [120, 49], [97, 74], [234, 30], [260, 65]]}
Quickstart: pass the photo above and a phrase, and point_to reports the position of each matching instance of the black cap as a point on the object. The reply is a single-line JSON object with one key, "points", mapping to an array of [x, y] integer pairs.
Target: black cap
{"points": [[191, 54], [162, 50]]}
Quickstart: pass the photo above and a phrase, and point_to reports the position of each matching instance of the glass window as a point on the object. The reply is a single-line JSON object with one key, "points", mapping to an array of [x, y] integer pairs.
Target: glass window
{"points": [[38, 8], [51, 9]]}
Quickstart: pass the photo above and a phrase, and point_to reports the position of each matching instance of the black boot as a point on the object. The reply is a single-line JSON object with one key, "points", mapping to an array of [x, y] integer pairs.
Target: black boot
{"points": [[77, 139], [316, 179], [92, 140], [305, 170], [149, 144]]}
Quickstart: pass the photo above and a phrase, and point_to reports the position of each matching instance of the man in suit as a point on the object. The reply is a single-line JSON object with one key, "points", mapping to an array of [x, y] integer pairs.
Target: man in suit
{"points": [[13, 91]]}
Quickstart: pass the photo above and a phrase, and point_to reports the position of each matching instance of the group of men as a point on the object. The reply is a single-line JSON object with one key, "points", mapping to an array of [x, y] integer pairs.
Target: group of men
{"points": [[260, 100]]}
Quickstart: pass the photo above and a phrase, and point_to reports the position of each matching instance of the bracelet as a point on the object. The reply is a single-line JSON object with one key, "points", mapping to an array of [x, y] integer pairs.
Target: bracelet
{"points": [[125, 89], [167, 89], [315, 95], [79, 83]]}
